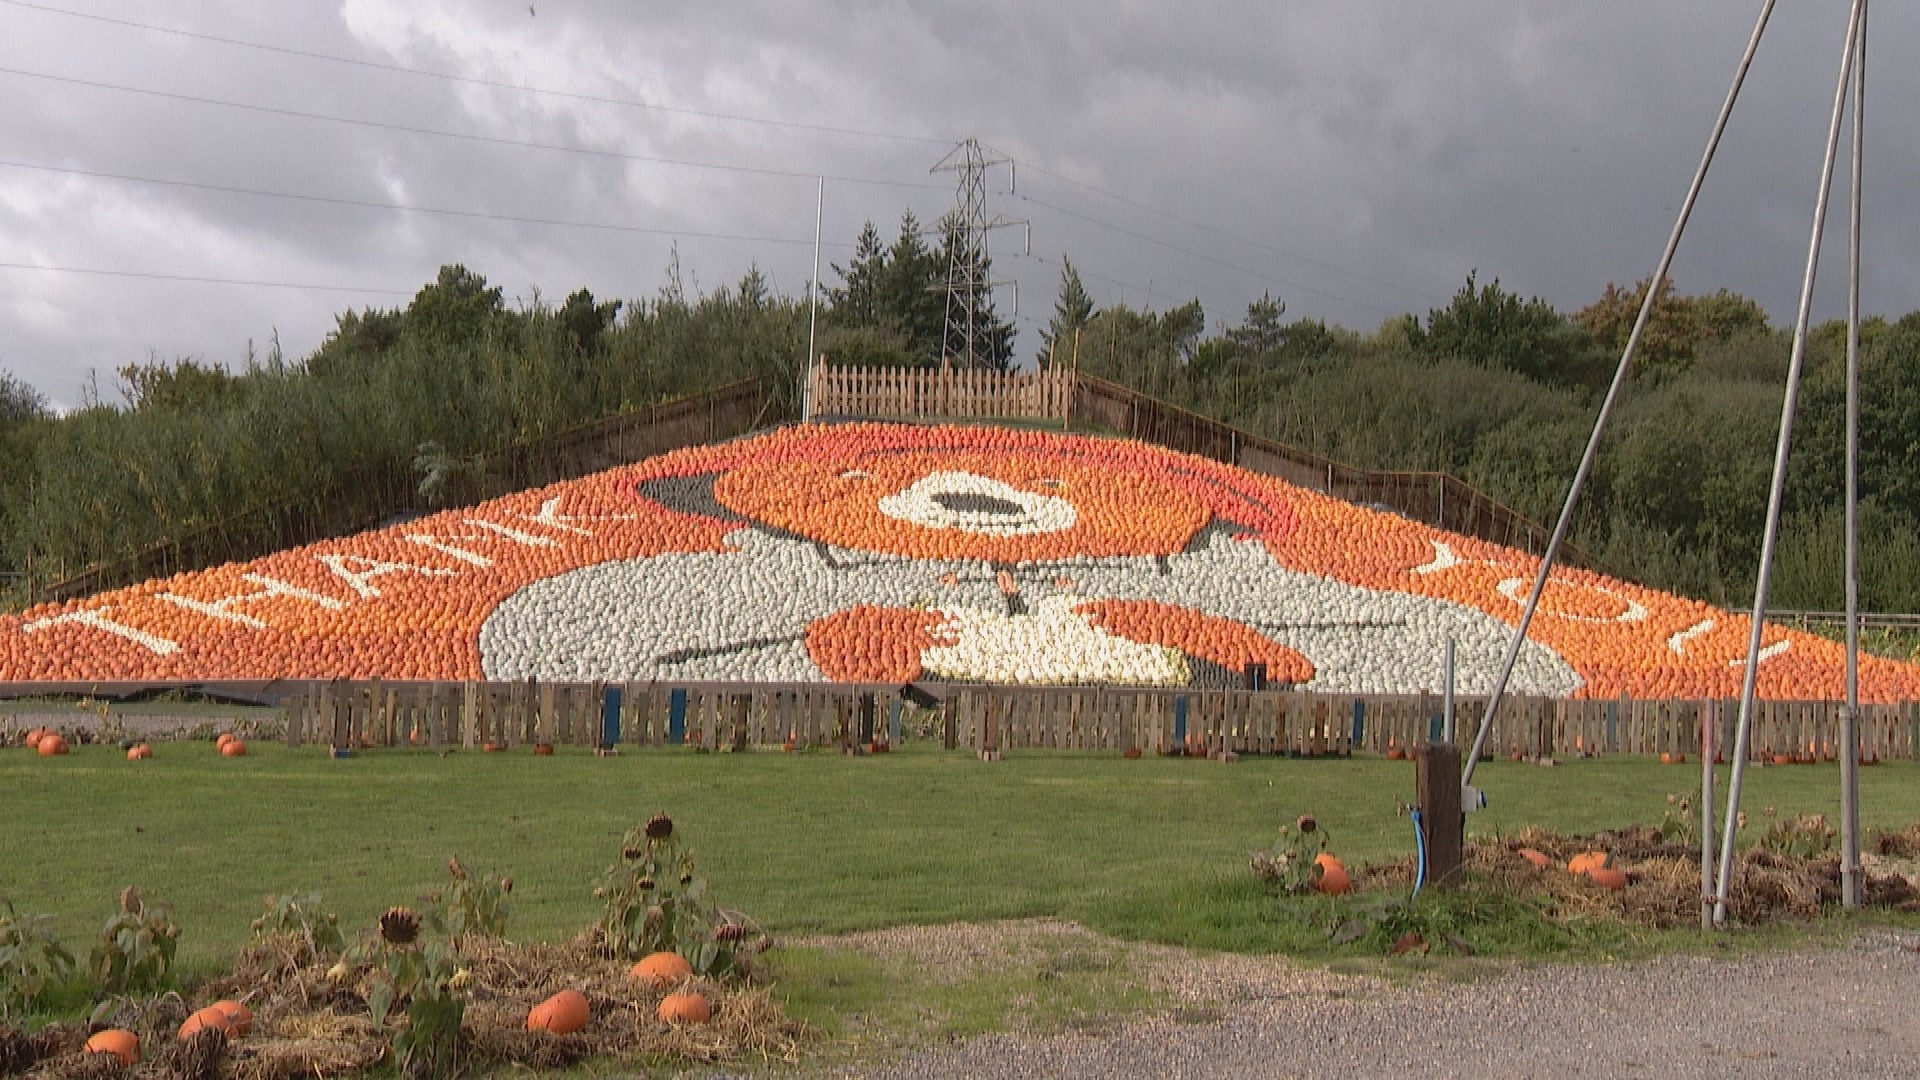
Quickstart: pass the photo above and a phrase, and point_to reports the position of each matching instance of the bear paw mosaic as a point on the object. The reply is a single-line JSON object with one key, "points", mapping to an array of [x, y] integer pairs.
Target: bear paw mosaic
{"points": [[887, 553]]}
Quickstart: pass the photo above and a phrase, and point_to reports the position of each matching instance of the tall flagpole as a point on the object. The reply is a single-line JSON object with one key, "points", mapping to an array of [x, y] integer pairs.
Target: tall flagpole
{"points": [[1850, 717], [1777, 495], [813, 301]]}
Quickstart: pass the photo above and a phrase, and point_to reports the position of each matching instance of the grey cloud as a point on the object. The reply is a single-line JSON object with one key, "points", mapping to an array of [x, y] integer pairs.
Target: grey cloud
{"points": [[1403, 143]]}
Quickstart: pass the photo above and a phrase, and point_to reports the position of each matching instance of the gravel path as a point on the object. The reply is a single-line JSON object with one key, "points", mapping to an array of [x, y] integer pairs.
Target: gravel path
{"points": [[1843, 1012]]}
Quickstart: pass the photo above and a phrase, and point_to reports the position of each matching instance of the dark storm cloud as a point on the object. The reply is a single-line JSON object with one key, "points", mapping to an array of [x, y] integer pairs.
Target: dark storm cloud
{"points": [[1355, 159]]}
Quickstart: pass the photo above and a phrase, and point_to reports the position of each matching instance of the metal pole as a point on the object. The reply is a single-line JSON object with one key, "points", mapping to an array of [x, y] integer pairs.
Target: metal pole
{"points": [[1709, 720], [1446, 711], [1850, 716], [1777, 494], [1613, 396], [813, 298]]}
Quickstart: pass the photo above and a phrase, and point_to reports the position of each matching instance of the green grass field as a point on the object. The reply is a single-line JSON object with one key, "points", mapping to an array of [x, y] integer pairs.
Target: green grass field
{"points": [[1151, 849]]}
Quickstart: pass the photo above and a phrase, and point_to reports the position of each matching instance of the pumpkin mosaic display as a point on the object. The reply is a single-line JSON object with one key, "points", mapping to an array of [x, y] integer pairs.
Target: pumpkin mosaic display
{"points": [[884, 553]]}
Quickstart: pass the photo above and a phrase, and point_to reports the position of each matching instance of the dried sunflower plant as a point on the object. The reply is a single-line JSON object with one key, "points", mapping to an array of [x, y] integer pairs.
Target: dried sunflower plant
{"points": [[655, 901], [1290, 864], [412, 963]]}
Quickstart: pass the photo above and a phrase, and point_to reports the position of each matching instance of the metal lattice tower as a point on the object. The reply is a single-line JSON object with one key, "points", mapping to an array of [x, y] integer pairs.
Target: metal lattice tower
{"points": [[963, 340]]}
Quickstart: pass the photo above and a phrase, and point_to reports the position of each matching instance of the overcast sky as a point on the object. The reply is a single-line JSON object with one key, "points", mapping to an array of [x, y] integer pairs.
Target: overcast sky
{"points": [[1356, 159]]}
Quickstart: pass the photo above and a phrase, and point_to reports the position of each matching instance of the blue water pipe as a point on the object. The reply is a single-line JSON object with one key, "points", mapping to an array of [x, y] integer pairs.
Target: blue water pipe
{"points": [[1420, 849]]}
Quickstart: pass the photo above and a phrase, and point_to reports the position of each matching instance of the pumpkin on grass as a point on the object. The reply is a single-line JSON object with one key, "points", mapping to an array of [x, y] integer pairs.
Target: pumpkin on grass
{"points": [[119, 1042], [565, 1013], [661, 970], [234, 748], [1538, 859], [1607, 878], [542, 749], [51, 746], [239, 1017], [685, 1008], [207, 1019], [1586, 861], [1333, 879]]}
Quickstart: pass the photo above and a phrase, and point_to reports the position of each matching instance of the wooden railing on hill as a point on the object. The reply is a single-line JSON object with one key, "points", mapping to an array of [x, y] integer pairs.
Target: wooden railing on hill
{"points": [[988, 718], [1437, 499], [363, 498], [945, 393]]}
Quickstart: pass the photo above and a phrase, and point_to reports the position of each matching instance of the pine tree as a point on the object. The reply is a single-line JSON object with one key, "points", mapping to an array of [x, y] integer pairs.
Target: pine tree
{"points": [[1071, 312], [857, 301]]}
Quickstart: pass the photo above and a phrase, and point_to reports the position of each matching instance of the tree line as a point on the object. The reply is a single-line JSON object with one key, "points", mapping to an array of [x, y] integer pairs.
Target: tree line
{"points": [[1494, 387]]}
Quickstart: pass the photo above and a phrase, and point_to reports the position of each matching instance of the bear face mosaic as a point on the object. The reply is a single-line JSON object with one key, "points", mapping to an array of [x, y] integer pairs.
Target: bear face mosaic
{"points": [[887, 553]]}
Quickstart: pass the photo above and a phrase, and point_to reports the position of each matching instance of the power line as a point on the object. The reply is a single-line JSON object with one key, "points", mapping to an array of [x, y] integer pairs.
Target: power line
{"points": [[202, 280], [491, 140], [471, 80], [407, 207], [1261, 274], [1216, 230]]}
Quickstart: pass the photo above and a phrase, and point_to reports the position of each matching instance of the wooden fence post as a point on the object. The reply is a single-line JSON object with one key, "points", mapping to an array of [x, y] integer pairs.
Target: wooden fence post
{"points": [[1437, 790]]}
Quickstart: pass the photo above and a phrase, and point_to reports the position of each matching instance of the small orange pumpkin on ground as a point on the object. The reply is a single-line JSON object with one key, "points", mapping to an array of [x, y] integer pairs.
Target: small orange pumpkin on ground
{"points": [[494, 748], [1783, 759], [1607, 878], [137, 753], [205, 1020], [225, 738], [1131, 753], [1333, 879], [234, 748], [1538, 859], [685, 1008], [542, 749], [661, 970], [119, 1042], [51, 746], [565, 1013], [1586, 861], [239, 1017]]}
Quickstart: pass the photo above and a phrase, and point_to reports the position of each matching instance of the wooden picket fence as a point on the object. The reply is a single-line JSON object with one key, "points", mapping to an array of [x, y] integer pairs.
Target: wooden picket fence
{"points": [[716, 715], [914, 393]]}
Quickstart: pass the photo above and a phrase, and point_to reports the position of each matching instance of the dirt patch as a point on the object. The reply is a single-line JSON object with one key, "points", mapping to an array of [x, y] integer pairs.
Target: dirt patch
{"points": [[1663, 879], [311, 1021]]}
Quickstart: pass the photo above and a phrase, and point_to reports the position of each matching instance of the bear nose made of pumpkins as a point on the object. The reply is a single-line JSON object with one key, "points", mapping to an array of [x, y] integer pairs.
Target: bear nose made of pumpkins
{"points": [[969, 502]]}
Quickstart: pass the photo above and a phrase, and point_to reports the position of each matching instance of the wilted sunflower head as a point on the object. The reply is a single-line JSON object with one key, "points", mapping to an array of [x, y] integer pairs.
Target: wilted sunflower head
{"points": [[659, 827], [631, 854], [399, 926], [729, 932], [1306, 824], [646, 884], [130, 900], [453, 867], [506, 884]]}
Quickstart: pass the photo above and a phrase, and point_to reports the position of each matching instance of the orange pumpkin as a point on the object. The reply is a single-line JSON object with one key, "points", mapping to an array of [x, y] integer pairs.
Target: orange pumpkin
{"points": [[1333, 879], [225, 738], [494, 748], [1783, 759], [685, 1008], [134, 754], [239, 1017], [543, 750], [565, 1013], [1131, 753], [208, 1019], [1586, 861], [1607, 878], [119, 1042], [234, 748], [51, 746], [661, 970], [1538, 859]]}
